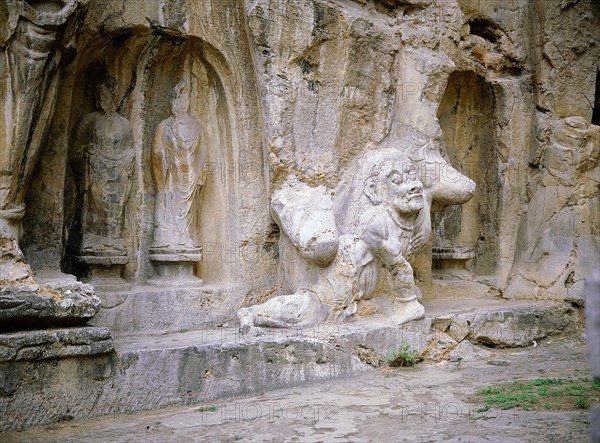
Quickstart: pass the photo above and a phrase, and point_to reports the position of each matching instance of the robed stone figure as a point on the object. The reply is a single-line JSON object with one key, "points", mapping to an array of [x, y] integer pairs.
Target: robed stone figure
{"points": [[29, 60], [178, 157], [102, 162]]}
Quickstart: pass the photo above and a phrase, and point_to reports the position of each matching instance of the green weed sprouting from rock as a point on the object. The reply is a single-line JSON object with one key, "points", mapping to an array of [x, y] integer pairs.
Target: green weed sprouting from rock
{"points": [[548, 381], [402, 356], [582, 403]]}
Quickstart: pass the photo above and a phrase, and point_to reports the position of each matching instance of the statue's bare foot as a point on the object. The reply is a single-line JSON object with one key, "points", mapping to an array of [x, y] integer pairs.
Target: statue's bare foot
{"points": [[251, 331], [408, 311], [246, 317]]}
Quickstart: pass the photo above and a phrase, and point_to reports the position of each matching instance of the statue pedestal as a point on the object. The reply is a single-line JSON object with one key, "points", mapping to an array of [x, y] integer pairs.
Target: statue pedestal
{"points": [[451, 260], [105, 272], [175, 267]]}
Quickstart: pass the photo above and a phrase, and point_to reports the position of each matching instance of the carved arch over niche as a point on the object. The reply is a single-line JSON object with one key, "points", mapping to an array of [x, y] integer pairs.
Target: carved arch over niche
{"points": [[146, 67]]}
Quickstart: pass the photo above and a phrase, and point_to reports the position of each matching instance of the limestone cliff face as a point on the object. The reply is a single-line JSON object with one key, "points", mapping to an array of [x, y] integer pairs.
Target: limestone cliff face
{"points": [[503, 89], [489, 83], [148, 47], [559, 241]]}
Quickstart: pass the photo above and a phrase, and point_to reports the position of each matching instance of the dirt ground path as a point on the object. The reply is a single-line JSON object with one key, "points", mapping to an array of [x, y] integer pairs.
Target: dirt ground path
{"points": [[426, 403]]}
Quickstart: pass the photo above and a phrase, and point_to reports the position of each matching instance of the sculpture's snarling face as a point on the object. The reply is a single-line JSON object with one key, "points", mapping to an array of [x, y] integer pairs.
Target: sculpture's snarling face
{"points": [[403, 188], [394, 182]]}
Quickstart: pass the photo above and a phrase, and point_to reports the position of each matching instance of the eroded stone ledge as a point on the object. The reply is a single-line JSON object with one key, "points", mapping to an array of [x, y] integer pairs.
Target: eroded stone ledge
{"points": [[54, 343], [25, 307]]}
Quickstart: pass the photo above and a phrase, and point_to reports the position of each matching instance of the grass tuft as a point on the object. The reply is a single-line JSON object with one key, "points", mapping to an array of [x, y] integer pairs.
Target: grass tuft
{"points": [[565, 394]]}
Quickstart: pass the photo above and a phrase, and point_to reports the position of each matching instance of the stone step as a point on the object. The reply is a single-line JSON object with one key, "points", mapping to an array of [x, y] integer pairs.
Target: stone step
{"points": [[153, 371], [150, 309]]}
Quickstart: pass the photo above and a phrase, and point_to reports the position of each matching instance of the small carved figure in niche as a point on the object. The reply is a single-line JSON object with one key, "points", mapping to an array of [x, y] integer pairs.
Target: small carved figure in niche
{"points": [[29, 59], [102, 162], [177, 161], [101, 159]]}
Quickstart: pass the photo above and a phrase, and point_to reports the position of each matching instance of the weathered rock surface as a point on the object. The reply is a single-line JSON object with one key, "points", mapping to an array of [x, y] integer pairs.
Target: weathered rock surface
{"points": [[148, 310], [467, 351], [592, 322], [38, 306], [505, 93], [429, 402], [519, 326], [152, 371], [54, 343], [560, 246]]}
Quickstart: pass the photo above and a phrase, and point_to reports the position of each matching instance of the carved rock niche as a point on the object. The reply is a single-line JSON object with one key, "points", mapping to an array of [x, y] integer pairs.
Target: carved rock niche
{"points": [[465, 238], [144, 70]]}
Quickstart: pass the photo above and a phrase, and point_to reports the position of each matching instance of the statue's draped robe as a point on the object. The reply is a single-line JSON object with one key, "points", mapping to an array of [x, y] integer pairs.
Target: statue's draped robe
{"points": [[29, 86], [177, 158], [103, 166]]}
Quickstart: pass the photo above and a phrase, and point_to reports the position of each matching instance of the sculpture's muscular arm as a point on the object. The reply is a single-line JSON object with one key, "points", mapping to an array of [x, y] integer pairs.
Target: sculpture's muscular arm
{"points": [[388, 250], [423, 229]]}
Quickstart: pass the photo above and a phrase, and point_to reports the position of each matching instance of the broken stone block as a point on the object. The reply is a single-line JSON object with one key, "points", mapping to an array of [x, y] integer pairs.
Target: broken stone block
{"points": [[466, 351], [40, 306], [440, 346], [520, 326], [459, 329], [54, 343], [442, 323]]}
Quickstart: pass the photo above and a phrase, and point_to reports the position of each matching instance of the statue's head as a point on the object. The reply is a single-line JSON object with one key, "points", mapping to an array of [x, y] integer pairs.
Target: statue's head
{"points": [[47, 12], [383, 178], [106, 99], [180, 98], [392, 181]]}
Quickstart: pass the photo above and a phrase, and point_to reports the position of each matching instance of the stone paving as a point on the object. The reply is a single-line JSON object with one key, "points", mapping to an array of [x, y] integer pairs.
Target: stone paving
{"points": [[426, 403]]}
